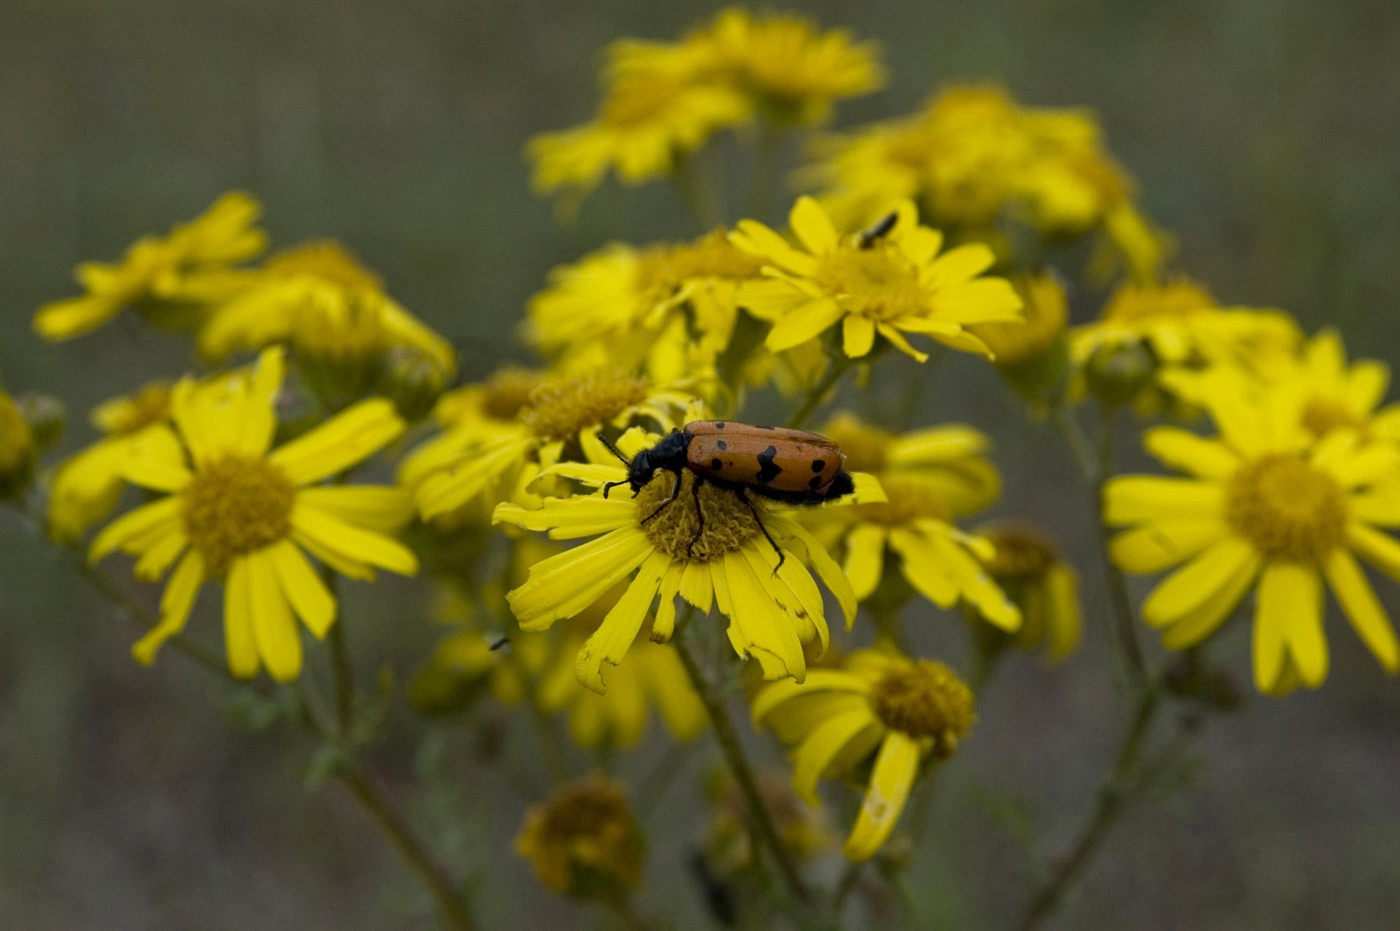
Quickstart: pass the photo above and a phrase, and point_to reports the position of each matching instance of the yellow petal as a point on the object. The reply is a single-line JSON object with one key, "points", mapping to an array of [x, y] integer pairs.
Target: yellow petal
{"points": [[1287, 591], [1160, 544], [75, 316], [309, 596], [450, 489], [156, 460], [341, 442], [571, 518], [960, 264], [175, 604], [1135, 498], [1201, 579], [371, 507], [858, 336], [158, 517], [814, 755], [895, 769], [865, 558], [563, 585], [818, 680], [1066, 624], [1198, 624], [763, 626], [274, 628], [812, 226], [803, 323], [239, 643], [611, 641], [897, 340], [1365, 612], [1191, 453], [1379, 549], [331, 533], [160, 554]]}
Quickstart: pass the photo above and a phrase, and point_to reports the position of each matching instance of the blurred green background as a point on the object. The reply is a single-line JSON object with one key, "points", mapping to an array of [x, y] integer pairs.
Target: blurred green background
{"points": [[1264, 134]]}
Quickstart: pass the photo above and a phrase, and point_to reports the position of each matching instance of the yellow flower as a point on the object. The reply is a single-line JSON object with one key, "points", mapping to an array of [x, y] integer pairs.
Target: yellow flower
{"points": [[792, 71], [930, 477], [584, 841], [329, 307], [973, 157], [1045, 312], [234, 511], [1266, 503], [162, 276], [725, 561], [539, 667], [881, 704], [891, 283], [1046, 589], [670, 307], [561, 414], [1181, 323], [16, 449], [649, 118]]}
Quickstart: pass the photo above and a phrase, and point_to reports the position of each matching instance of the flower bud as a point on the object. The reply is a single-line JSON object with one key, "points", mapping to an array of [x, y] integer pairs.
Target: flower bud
{"points": [[1116, 373], [16, 449], [413, 380], [46, 416]]}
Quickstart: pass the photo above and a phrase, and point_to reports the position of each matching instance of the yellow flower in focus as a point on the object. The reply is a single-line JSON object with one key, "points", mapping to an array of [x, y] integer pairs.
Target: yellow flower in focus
{"points": [[1046, 589], [973, 158], [1267, 507], [561, 415], [163, 276], [649, 118], [774, 606], [1181, 323], [234, 511], [330, 308], [887, 282], [17, 451], [584, 840], [669, 308], [930, 477], [882, 704], [790, 69]]}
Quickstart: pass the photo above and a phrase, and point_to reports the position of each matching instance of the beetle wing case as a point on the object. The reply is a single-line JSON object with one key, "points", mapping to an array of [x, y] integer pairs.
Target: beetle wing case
{"points": [[786, 465]]}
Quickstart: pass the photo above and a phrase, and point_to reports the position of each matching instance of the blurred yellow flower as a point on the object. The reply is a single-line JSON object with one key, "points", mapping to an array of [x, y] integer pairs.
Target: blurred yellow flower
{"points": [[584, 840], [930, 477], [1045, 312], [668, 308], [973, 157], [882, 704], [169, 278], [16, 449], [725, 561], [331, 309], [889, 280], [1046, 588], [803, 830], [234, 511], [1266, 503]]}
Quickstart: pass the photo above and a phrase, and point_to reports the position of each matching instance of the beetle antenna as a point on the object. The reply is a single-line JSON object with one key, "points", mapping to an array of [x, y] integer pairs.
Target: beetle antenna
{"points": [[613, 449]]}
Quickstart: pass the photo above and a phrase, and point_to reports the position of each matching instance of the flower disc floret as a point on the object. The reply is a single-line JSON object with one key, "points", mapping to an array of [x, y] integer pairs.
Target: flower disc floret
{"points": [[1288, 508], [558, 410], [925, 700], [680, 531], [235, 506]]}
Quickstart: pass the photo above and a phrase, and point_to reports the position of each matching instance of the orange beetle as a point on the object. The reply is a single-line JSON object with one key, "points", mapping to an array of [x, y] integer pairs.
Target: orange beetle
{"points": [[785, 465]]}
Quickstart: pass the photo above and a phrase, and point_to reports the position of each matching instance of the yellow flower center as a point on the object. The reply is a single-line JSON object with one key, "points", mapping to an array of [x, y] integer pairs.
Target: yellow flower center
{"points": [[1145, 302], [234, 506], [560, 410], [925, 699], [327, 260], [1322, 415], [678, 530], [866, 448], [1288, 508], [584, 840], [879, 282], [663, 269], [910, 499], [508, 391], [340, 332], [1021, 553]]}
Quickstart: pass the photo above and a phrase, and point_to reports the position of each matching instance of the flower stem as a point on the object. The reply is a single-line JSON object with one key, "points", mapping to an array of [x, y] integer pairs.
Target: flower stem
{"points": [[757, 812], [695, 183], [343, 674], [1115, 792], [452, 905], [817, 396], [770, 141]]}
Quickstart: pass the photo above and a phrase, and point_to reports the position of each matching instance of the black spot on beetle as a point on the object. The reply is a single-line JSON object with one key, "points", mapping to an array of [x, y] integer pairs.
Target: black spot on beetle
{"points": [[719, 425], [818, 465], [722, 445], [815, 483], [767, 468], [715, 465]]}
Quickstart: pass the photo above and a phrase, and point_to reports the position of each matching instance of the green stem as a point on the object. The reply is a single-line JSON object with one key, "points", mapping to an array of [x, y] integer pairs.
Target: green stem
{"points": [[344, 675], [695, 185], [817, 395], [1115, 792], [850, 878], [770, 141], [759, 818], [452, 905]]}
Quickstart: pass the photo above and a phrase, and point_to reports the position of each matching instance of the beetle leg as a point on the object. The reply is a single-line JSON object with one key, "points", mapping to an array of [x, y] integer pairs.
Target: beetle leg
{"points": [[610, 486], [743, 496], [675, 490], [699, 516]]}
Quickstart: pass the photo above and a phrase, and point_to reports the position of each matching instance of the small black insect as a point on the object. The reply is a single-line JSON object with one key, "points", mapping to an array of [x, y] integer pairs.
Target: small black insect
{"points": [[877, 231]]}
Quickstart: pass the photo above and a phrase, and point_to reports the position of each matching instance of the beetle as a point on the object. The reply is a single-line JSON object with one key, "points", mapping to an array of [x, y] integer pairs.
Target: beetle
{"points": [[791, 466], [867, 238]]}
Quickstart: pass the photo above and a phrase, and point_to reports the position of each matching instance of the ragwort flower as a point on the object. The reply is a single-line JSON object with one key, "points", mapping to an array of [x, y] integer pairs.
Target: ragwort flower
{"points": [[887, 284], [1266, 507], [1026, 565], [584, 840], [881, 704], [765, 589], [163, 277], [17, 450], [234, 511]]}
